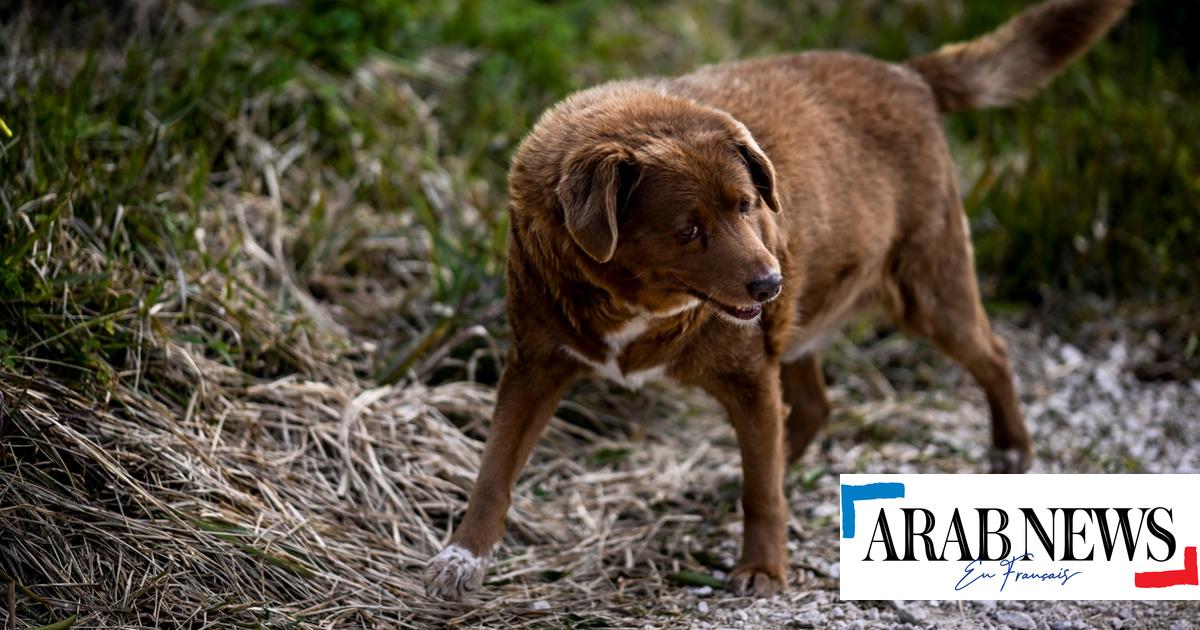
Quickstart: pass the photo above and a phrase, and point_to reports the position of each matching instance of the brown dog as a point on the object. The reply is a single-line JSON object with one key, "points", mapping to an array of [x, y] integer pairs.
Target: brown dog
{"points": [[713, 228]]}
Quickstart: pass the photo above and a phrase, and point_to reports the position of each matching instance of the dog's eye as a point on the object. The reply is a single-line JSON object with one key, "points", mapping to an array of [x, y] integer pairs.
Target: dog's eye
{"points": [[690, 234], [745, 206]]}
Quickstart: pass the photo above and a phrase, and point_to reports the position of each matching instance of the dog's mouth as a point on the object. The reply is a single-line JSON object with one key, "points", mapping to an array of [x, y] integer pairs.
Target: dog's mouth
{"points": [[744, 313], [741, 312]]}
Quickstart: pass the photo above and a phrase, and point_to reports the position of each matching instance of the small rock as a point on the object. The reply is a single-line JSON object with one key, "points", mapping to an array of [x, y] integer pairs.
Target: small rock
{"points": [[1126, 613], [809, 619], [741, 614], [1015, 619], [540, 604], [702, 607], [1071, 355], [702, 591], [825, 510], [912, 614], [837, 612]]}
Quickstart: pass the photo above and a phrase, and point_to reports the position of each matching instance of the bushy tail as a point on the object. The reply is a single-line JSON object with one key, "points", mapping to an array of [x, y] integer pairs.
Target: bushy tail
{"points": [[1014, 61]]}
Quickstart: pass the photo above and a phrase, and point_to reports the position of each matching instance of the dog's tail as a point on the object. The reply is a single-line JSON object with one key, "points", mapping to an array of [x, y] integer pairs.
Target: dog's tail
{"points": [[1014, 61]]}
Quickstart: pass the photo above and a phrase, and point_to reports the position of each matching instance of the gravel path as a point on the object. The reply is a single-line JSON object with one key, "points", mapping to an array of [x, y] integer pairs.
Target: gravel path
{"points": [[900, 407]]}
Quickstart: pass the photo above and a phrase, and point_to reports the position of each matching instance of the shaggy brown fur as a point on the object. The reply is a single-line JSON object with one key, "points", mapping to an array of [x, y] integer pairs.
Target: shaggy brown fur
{"points": [[713, 228]]}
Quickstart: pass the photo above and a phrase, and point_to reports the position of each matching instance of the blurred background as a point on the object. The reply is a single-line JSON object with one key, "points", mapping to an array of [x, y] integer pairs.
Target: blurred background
{"points": [[229, 230], [1085, 198]]}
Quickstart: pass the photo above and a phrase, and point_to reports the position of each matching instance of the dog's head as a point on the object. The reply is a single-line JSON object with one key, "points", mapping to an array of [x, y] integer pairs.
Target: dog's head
{"points": [[684, 209]]}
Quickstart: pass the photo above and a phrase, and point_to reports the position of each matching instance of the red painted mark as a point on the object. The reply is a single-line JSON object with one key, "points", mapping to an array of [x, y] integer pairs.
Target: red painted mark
{"points": [[1162, 579]]}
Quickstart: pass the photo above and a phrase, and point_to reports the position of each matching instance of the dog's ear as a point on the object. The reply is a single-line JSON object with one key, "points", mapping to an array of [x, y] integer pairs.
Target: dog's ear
{"points": [[594, 186], [762, 172]]}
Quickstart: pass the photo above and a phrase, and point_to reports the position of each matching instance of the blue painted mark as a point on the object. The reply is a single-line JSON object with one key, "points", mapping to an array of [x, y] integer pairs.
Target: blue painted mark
{"points": [[850, 494]]}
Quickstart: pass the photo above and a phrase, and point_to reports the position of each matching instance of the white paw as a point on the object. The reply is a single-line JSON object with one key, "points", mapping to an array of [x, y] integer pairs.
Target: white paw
{"points": [[453, 572]]}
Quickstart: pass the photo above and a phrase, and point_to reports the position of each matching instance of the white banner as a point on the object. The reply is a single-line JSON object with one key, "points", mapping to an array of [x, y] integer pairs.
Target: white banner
{"points": [[1020, 536]]}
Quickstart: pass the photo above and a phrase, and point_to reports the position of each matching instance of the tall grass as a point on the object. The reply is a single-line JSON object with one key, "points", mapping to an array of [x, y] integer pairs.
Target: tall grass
{"points": [[122, 131]]}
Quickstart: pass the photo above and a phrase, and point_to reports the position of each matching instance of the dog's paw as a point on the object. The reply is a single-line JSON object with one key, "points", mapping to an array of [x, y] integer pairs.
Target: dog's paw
{"points": [[757, 581], [453, 572], [1009, 460]]}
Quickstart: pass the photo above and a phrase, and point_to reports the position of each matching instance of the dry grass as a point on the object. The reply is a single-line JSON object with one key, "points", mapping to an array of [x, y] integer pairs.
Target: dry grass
{"points": [[314, 502], [193, 494], [241, 465]]}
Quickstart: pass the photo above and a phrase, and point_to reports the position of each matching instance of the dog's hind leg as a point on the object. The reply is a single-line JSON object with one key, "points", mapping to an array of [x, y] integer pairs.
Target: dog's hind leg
{"points": [[985, 356], [528, 394], [936, 296], [804, 391]]}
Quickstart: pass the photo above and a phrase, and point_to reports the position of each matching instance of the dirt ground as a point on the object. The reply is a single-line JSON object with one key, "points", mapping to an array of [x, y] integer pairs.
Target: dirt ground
{"points": [[899, 407]]}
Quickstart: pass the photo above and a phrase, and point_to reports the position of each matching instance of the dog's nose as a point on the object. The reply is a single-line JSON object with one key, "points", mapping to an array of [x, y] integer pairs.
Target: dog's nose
{"points": [[766, 287]]}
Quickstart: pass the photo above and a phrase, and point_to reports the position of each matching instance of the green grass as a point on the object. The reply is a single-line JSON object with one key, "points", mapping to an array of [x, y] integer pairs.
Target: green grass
{"points": [[126, 137]]}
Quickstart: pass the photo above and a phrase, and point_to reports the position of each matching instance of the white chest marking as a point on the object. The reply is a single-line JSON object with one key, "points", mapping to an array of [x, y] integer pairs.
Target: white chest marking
{"points": [[618, 339]]}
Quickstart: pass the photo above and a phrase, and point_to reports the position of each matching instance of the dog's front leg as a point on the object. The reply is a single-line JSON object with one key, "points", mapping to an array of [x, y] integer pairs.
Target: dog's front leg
{"points": [[529, 391], [754, 402]]}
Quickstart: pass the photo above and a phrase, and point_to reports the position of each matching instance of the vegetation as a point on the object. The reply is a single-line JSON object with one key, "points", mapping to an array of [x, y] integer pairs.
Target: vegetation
{"points": [[128, 129], [240, 193]]}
